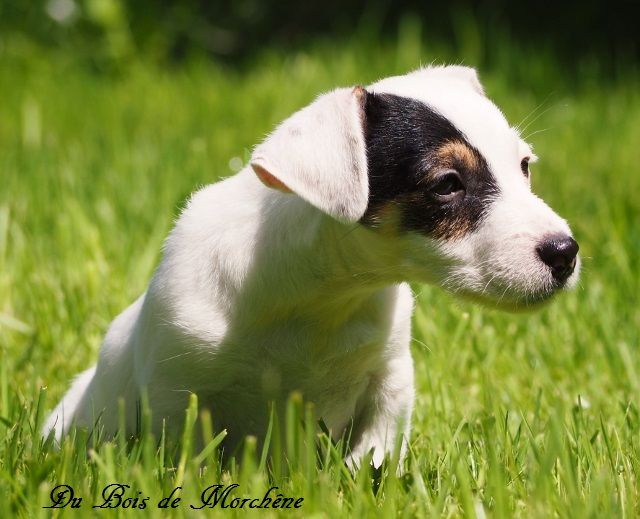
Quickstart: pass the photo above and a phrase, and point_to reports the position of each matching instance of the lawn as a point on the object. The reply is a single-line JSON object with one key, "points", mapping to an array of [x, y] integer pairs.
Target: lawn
{"points": [[528, 415]]}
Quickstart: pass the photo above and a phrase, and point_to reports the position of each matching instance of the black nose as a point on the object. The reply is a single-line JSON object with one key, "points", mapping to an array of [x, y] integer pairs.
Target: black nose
{"points": [[559, 253]]}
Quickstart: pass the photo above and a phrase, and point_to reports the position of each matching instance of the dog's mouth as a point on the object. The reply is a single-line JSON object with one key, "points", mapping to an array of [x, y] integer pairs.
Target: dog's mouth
{"points": [[508, 294], [514, 298], [511, 288]]}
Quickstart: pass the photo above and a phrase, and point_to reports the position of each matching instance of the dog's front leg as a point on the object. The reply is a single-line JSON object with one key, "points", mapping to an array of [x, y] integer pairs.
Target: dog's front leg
{"points": [[385, 416], [384, 413]]}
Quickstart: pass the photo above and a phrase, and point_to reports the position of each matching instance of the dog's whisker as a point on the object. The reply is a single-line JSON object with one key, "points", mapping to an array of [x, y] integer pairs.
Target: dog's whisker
{"points": [[532, 121], [535, 133], [533, 112], [179, 355]]}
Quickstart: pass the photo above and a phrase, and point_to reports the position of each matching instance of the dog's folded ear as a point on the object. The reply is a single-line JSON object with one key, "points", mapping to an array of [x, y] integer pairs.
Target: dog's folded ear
{"points": [[319, 153], [467, 75]]}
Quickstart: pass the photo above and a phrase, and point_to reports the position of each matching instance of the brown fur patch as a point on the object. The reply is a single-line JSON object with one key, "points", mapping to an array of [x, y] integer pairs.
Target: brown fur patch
{"points": [[452, 154], [386, 217], [453, 229]]}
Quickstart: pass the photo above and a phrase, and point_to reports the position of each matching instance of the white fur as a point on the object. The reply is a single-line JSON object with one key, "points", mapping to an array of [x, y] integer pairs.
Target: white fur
{"points": [[319, 154], [261, 292]]}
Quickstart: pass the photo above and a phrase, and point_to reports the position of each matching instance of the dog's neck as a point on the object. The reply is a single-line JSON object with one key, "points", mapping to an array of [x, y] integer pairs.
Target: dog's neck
{"points": [[314, 266]]}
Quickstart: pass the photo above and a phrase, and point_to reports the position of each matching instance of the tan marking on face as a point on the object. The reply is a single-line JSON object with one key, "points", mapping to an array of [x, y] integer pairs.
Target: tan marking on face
{"points": [[453, 154], [450, 228], [386, 218], [453, 229]]}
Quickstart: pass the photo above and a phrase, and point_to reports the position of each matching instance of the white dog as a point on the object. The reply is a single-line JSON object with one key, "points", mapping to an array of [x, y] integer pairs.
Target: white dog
{"points": [[291, 274]]}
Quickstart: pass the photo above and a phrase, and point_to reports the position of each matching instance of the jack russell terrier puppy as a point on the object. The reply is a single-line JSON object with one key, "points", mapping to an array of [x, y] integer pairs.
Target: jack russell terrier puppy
{"points": [[291, 275]]}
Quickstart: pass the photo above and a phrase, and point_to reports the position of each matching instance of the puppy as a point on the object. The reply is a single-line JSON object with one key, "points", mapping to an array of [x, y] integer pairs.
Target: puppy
{"points": [[291, 275]]}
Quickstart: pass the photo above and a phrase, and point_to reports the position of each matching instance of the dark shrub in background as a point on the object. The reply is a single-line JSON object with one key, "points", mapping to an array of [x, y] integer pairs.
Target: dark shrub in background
{"points": [[107, 31]]}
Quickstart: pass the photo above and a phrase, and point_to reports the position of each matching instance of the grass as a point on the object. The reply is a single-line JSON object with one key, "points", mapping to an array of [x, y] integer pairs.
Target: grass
{"points": [[532, 415]]}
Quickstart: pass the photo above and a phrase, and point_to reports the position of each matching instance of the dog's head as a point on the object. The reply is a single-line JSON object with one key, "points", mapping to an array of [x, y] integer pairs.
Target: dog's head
{"points": [[428, 162]]}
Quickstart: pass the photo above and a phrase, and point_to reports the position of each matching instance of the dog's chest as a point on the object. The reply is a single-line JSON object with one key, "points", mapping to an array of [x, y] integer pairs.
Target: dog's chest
{"points": [[331, 367]]}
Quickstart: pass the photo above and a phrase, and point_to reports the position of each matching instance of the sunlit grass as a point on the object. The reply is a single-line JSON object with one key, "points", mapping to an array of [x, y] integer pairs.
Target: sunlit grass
{"points": [[528, 415]]}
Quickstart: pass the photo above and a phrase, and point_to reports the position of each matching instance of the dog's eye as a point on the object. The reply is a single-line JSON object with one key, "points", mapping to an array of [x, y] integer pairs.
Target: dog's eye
{"points": [[448, 186], [524, 166]]}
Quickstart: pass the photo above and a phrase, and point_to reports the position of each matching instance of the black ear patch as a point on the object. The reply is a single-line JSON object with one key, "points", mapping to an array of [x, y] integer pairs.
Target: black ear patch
{"points": [[409, 145]]}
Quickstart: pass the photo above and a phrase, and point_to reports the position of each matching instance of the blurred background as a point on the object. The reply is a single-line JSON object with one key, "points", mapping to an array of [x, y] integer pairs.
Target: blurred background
{"points": [[107, 33]]}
